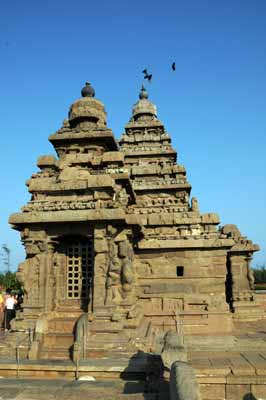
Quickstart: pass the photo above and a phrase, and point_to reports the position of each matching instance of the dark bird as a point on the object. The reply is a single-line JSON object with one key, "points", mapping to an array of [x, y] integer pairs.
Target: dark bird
{"points": [[145, 72], [173, 66], [148, 77]]}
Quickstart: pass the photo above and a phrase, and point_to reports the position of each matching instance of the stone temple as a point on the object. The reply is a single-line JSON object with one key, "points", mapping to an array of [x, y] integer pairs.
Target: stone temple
{"points": [[117, 252]]}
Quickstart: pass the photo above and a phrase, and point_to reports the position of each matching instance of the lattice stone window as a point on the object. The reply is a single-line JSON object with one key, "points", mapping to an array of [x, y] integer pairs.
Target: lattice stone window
{"points": [[79, 268]]}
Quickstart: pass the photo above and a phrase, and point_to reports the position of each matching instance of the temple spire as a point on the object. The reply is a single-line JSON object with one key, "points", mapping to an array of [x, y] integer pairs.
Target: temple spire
{"points": [[143, 93]]}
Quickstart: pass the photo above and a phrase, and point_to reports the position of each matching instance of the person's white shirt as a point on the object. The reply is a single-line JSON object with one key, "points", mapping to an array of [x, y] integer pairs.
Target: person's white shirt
{"points": [[10, 303]]}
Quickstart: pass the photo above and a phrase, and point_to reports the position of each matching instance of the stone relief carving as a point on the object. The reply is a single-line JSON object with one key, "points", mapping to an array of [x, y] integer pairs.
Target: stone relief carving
{"points": [[127, 269], [29, 276], [120, 197], [113, 276], [246, 295], [183, 197], [120, 276], [34, 246], [68, 205]]}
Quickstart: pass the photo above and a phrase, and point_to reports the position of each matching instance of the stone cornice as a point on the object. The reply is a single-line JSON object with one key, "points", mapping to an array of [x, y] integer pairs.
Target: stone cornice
{"points": [[184, 243], [66, 216], [50, 185]]}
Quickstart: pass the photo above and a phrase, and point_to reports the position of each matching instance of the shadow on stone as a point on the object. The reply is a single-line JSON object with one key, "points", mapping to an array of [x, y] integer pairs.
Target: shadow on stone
{"points": [[144, 374], [249, 396]]}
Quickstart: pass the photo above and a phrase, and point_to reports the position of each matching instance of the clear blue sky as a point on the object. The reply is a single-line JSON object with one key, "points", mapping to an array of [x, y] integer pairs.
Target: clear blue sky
{"points": [[213, 105]]}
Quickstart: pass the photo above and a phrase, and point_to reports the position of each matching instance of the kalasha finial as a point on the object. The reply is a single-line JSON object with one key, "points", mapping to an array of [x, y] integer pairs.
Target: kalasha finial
{"points": [[143, 93], [88, 90]]}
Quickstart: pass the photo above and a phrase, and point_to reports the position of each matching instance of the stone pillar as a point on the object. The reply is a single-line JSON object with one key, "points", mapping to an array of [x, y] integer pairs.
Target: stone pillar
{"points": [[50, 276], [101, 248], [245, 305]]}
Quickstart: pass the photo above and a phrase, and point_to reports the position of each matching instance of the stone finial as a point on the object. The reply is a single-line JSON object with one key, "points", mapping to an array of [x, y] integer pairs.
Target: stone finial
{"points": [[143, 93], [88, 90], [144, 107]]}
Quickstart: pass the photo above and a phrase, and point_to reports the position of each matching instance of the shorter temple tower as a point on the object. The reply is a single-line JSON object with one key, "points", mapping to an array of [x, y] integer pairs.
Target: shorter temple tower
{"points": [[116, 251]]}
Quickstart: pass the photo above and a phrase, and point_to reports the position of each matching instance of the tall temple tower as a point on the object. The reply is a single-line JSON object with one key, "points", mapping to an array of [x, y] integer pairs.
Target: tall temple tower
{"points": [[116, 251]]}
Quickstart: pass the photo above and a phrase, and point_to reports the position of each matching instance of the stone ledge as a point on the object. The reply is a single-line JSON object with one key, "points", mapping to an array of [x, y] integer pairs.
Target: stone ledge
{"points": [[97, 133], [66, 216], [161, 186], [49, 184], [182, 243]]}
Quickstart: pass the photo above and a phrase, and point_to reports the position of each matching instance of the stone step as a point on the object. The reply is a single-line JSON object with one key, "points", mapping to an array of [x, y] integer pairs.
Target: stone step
{"points": [[62, 325], [55, 353], [204, 342], [107, 337], [114, 353], [58, 339], [99, 326], [24, 389]]}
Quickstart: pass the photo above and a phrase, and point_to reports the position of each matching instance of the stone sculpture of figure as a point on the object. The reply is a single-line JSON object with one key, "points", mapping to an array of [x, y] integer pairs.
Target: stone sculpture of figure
{"points": [[113, 275], [121, 197], [28, 275], [194, 204], [183, 382], [250, 276], [127, 270], [183, 197], [173, 348], [232, 231], [81, 332]]}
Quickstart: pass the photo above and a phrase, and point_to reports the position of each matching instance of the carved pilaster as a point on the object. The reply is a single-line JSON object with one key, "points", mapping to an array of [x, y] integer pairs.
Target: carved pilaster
{"points": [[50, 282]]}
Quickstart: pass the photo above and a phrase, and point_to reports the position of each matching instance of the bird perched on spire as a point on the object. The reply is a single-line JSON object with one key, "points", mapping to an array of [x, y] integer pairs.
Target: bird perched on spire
{"points": [[173, 66]]}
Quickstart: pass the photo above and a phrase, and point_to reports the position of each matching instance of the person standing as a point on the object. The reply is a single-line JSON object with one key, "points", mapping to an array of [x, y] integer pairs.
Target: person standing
{"points": [[2, 309], [10, 313]]}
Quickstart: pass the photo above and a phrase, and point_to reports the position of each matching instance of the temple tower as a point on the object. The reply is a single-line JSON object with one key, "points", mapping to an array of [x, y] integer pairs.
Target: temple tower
{"points": [[187, 264], [116, 251], [77, 240]]}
